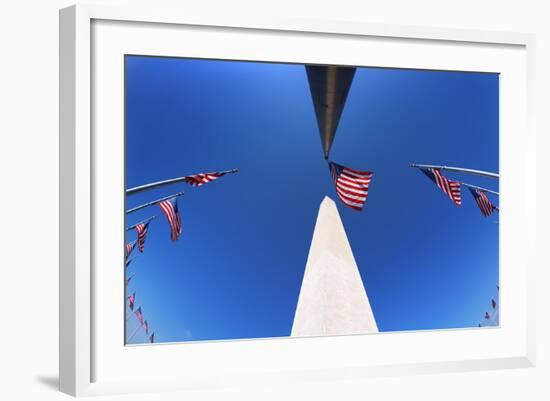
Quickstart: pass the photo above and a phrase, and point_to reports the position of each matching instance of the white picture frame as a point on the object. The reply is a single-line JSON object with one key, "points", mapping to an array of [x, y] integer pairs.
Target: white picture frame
{"points": [[89, 364]]}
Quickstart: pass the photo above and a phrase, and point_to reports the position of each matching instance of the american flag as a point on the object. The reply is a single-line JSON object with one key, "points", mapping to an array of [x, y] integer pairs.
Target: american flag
{"points": [[352, 186], [131, 301], [482, 201], [451, 188], [170, 209], [141, 233], [152, 338], [493, 303], [487, 316], [198, 180], [145, 327], [129, 248], [128, 262], [139, 315]]}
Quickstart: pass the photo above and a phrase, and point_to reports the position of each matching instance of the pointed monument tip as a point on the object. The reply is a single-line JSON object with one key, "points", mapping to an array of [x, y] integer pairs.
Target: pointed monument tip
{"points": [[328, 201]]}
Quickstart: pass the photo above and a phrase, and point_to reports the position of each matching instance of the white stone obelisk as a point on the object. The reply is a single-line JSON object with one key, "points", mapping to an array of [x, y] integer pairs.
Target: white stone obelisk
{"points": [[332, 300]]}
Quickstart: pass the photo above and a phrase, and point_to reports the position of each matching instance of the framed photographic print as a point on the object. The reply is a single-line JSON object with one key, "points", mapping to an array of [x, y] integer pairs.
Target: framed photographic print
{"points": [[278, 200]]}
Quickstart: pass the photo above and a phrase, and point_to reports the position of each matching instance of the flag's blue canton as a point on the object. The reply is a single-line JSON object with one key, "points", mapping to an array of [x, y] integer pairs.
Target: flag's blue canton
{"points": [[482, 201], [450, 188]]}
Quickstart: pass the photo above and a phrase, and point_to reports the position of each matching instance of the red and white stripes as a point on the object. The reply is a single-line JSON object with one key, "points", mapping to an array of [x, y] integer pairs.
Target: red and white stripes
{"points": [[352, 186]]}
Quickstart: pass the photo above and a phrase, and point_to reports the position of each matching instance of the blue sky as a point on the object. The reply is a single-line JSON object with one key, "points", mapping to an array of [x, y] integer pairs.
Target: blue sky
{"points": [[237, 269]]}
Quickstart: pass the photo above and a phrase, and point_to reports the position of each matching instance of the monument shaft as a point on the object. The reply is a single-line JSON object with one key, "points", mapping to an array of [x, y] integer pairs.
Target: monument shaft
{"points": [[332, 300]]}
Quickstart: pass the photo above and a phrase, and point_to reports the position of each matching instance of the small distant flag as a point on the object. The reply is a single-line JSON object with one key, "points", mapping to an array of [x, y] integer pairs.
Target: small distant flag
{"points": [[170, 209], [141, 233], [131, 301], [487, 316], [352, 186], [450, 188], [128, 262], [139, 315], [198, 180], [145, 327], [152, 338], [479, 325], [129, 248], [482, 201], [129, 278], [493, 303]]}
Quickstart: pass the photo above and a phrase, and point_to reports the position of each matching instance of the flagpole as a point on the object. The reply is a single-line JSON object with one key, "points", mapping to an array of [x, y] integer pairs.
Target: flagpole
{"points": [[480, 188], [141, 222], [458, 169], [134, 333], [153, 202], [129, 311], [133, 312], [162, 183], [129, 278]]}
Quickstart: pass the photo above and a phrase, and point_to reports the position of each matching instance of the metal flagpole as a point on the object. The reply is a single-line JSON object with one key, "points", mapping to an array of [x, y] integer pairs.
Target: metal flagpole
{"points": [[153, 202], [157, 184], [458, 169], [141, 222], [134, 333], [129, 278], [133, 313], [480, 188]]}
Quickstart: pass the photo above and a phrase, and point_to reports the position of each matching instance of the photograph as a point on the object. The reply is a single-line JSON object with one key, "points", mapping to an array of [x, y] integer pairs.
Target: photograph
{"points": [[286, 200], [275, 201]]}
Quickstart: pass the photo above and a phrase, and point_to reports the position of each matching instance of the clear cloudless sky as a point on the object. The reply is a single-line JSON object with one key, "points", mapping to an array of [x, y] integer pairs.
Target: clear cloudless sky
{"points": [[237, 268]]}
